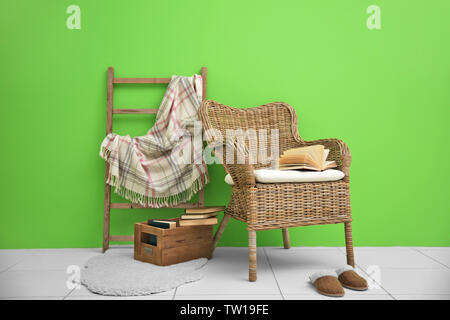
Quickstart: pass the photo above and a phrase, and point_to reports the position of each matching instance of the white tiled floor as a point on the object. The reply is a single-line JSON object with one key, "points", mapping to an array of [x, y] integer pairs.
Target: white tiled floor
{"points": [[398, 273]]}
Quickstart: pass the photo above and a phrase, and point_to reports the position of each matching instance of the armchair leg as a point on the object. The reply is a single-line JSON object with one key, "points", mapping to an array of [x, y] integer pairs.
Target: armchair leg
{"points": [[349, 244], [286, 241], [252, 255], [223, 224]]}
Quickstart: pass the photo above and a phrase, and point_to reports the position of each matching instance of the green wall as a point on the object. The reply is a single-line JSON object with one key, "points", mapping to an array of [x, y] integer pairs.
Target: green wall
{"points": [[385, 92]]}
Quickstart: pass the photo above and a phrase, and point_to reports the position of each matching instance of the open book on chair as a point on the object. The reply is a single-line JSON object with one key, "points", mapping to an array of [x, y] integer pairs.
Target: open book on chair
{"points": [[306, 158]]}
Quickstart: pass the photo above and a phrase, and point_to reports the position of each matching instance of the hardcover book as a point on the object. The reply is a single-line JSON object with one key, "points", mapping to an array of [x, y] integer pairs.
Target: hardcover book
{"points": [[204, 210], [198, 216], [198, 222], [306, 158], [163, 224]]}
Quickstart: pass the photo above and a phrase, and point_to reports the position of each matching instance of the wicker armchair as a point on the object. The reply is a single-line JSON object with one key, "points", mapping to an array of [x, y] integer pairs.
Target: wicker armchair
{"points": [[265, 206]]}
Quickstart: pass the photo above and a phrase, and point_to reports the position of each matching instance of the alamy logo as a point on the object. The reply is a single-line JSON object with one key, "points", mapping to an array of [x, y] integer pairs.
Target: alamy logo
{"points": [[374, 20], [74, 279], [374, 279], [74, 20]]}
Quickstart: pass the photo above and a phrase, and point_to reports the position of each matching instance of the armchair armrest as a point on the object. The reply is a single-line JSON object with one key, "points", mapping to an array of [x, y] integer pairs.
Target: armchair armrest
{"points": [[242, 174], [339, 152]]}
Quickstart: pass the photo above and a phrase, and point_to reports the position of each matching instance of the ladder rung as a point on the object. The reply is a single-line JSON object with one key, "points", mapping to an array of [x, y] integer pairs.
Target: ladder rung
{"points": [[121, 238], [135, 111], [141, 80]]}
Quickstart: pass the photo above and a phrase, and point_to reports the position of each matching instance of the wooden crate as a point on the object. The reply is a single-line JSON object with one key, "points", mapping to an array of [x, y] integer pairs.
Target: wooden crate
{"points": [[172, 245]]}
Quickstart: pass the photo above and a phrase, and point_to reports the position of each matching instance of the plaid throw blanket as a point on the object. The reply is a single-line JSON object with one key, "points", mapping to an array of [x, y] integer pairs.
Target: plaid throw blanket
{"points": [[149, 170]]}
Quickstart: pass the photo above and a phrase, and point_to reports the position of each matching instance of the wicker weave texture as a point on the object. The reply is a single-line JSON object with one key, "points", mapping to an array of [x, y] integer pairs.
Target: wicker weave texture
{"points": [[278, 205], [281, 205]]}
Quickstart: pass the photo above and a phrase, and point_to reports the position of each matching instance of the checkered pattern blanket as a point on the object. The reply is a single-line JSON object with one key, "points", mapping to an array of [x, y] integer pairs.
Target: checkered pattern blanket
{"points": [[157, 170]]}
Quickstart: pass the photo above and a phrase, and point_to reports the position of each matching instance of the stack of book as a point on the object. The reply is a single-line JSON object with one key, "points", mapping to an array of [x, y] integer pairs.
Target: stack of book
{"points": [[163, 224], [200, 216]]}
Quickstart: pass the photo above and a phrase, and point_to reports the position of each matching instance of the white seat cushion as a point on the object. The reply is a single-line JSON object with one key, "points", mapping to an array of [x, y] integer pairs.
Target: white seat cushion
{"points": [[281, 176]]}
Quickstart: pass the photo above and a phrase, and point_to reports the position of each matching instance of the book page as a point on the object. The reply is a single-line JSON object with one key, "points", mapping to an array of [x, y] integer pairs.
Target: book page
{"points": [[299, 167], [296, 159], [324, 159], [330, 164], [315, 152]]}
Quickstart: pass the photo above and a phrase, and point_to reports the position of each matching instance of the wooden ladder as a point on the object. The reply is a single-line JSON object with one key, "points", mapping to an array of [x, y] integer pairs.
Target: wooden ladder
{"points": [[110, 111]]}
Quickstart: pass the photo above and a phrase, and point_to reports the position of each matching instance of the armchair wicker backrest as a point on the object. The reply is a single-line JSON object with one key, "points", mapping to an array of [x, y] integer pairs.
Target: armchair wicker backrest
{"points": [[277, 115]]}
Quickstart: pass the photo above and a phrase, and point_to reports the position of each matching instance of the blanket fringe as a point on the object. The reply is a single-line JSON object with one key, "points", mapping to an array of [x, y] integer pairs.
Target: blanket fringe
{"points": [[155, 202]]}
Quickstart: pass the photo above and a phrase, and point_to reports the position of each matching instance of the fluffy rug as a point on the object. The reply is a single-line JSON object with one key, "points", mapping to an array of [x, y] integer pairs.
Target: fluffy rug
{"points": [[118, 274]]}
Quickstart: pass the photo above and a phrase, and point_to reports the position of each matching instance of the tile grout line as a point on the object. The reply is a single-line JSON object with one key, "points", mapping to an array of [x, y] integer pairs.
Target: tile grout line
{"points": [[174, 293], [421, 295], [360, 267], [275, 277], [64, 298], [340, 249], [390, 294], [431, 258], [13, 265]]}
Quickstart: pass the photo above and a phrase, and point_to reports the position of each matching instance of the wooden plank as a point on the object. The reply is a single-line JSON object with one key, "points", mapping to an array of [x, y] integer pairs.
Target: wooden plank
{"points": [[202, 249], [107, 200], [145, 228], [201, 194], [204, 73], [142, 80], [207, 229], [135, 111], [121, 238], [189, 238], [184, 230], [148, 245], [125, 205], [137, 240], [150, 254], [106, 212], [110, 96]]}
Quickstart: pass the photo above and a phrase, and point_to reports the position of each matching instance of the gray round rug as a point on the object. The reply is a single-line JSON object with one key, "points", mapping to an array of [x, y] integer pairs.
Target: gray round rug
{"points": [[118, 274]]}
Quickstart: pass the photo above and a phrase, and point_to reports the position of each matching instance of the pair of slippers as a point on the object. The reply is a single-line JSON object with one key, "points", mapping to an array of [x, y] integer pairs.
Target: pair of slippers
{"points": [[331, 283]]}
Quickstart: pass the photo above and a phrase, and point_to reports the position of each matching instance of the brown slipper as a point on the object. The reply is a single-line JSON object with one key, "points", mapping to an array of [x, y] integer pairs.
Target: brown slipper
{"points": [[327, 283], [350, 279]]}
